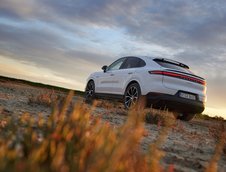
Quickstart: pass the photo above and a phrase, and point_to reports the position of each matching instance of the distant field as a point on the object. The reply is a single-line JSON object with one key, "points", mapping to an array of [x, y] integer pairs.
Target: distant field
{"points": [[36, 84]]}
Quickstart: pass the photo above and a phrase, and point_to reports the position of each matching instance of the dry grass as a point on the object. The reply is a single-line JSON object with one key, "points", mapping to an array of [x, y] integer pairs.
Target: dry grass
{"points": [[218, 132], [73, 140], [76, 142], [159, 117], [45, 98], [207, 117]]}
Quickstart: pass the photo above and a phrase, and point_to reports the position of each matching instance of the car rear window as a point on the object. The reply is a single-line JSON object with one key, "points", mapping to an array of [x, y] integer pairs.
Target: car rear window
{"points": [[171, 65]]}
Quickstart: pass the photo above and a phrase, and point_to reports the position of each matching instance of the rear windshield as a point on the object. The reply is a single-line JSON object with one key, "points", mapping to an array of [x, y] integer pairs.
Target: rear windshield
{"points": [[172, 66]]}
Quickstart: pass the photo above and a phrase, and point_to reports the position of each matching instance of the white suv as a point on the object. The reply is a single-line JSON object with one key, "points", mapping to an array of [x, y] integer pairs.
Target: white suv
{"points": [[165, 83]]}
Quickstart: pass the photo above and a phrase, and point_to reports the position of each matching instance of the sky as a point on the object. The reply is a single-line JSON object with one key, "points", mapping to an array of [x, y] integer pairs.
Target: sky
{"points": [[61, 42]]}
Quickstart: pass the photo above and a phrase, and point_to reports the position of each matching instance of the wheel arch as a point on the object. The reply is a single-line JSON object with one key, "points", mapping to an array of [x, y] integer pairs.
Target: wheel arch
{"points": [[89, 80], [138, 98], [132, 82]]}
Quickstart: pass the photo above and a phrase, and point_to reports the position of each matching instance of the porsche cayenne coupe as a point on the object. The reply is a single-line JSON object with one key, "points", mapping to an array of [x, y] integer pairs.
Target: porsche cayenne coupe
{"points": [[163, 82]]}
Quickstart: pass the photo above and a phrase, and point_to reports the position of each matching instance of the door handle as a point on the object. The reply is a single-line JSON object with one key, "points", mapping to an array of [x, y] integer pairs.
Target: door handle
{"points": [[130, 73], [112, 74]]}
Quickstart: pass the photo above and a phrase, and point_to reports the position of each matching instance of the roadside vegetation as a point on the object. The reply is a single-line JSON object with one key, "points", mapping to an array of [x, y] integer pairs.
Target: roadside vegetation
{"points": [[207, 117], [39, 85], [71, 139]]}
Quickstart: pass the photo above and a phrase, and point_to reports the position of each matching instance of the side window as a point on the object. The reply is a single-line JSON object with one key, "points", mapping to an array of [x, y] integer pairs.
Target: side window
{"points": [[133, 62], [142, 63], [116, 65]]}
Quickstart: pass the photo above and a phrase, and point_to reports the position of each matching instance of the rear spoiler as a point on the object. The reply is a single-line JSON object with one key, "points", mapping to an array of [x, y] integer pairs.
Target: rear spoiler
{"points": [[171, 62]]}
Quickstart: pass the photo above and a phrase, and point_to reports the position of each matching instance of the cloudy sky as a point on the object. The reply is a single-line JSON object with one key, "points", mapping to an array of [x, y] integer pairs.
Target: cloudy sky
{"points": [[61, 42]]}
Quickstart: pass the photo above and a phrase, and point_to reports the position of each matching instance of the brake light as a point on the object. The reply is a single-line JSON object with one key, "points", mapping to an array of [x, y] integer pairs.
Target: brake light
{"points": [[177, 75]]}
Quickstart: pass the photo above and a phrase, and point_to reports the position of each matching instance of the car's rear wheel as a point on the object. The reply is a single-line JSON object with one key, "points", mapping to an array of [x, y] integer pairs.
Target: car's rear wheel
{"points": [[90, 92], [185, 116], [132, 95]]}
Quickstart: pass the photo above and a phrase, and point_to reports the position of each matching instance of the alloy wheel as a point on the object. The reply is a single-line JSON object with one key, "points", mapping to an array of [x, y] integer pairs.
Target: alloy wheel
{"points": [[90, 90], [131, 96]]}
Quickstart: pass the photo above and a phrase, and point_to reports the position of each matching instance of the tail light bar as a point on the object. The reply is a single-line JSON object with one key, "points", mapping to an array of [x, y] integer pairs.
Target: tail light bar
{"points": [[177, 75]]}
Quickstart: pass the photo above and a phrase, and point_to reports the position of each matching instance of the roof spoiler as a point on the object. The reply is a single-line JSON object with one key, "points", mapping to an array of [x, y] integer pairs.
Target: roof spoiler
{"points": [[171, 62]]}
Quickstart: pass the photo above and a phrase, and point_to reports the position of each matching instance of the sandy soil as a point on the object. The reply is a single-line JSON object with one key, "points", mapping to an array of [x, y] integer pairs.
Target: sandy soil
{"points": [[189, 146]]}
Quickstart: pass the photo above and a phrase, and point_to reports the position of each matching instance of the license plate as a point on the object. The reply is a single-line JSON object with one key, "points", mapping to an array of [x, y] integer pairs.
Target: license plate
{"points": [[187, 96]]}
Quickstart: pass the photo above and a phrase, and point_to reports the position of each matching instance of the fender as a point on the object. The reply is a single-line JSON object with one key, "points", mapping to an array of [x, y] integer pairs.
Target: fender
{"points": [[134, 79]]}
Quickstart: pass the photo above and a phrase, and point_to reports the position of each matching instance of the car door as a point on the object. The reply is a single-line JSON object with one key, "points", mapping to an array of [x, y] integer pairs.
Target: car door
{"points": [[106, 80], [126, 73]]}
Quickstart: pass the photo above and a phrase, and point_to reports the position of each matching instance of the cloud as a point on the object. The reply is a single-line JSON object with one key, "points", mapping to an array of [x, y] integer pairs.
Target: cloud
{"points": [[65, 36]]}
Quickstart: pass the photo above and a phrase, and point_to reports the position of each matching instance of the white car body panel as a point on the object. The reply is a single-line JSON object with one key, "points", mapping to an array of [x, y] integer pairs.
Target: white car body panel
{"points": [[116, 81]]}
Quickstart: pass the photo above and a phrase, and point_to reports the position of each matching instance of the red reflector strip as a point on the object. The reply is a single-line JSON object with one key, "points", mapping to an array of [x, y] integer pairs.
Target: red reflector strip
{"points": [[177, 75]]}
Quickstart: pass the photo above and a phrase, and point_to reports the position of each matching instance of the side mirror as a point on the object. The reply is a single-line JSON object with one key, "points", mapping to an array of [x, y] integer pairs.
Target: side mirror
{"points": [[104, 68]]}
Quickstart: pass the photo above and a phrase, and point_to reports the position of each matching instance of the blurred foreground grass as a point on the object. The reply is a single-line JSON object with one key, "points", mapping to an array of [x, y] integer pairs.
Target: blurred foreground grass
{"points": [[74, 140], [71, 139]]}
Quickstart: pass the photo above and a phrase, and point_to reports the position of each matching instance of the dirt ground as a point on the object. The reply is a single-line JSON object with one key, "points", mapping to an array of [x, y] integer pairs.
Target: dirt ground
{"points": [[189, 146]]}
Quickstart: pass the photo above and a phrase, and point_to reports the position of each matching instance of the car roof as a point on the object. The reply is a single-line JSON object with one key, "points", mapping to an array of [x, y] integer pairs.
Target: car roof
{"points": [[157, 58], [142, 57]]}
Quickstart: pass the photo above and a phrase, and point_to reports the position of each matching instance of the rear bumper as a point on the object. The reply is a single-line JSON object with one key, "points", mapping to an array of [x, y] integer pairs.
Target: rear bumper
{"points": [[174, 103]]}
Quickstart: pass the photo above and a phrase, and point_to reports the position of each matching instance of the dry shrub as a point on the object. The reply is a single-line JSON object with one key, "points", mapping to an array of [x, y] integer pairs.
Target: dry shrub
{"points": [[104, 104], [5, 111], [46, 98], [108, 104], [216, 130], [167, 121], [219, 134], [160, 117], [112, 107], [73, 141], [207, 117]]}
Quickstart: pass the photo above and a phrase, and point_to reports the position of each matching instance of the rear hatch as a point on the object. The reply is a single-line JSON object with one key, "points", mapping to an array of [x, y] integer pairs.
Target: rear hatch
{"points": [[177, 76]]}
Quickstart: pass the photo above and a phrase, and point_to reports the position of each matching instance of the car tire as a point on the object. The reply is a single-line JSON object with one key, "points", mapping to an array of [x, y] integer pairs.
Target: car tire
{"points": [[186, 116], [132, 95], [90, 92]]}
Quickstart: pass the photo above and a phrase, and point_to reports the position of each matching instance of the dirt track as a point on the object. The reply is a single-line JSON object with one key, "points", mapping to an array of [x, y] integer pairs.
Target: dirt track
{"points": [[189, 146]]}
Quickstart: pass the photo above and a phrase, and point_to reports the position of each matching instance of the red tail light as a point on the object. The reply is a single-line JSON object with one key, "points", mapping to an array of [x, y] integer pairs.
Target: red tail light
{"points": [[180, 76]]}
